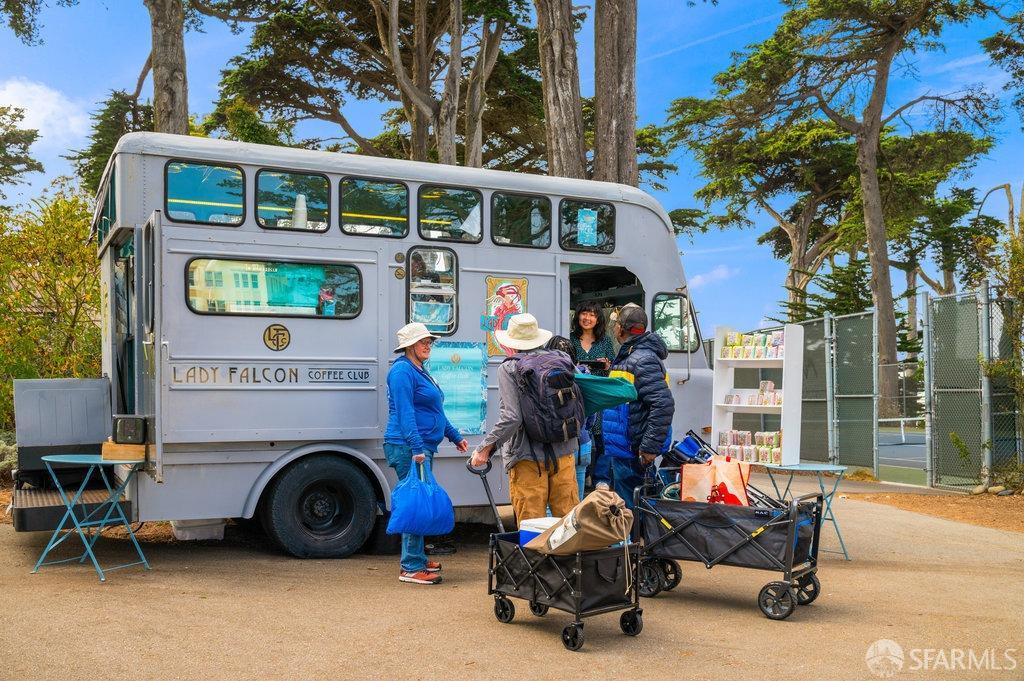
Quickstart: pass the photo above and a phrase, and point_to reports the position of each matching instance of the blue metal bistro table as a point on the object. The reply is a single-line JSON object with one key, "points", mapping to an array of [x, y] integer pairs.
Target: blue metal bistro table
{"points": [[113, 514], [819, 469]]}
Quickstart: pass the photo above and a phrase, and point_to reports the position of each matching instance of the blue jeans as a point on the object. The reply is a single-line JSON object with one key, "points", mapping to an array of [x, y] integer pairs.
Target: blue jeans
{"points": [[623, 475], [582, 461], [414, 555]]}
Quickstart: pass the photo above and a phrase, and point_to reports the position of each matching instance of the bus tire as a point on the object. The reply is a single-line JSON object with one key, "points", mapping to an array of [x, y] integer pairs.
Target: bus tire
{"points": [[321, 506]]}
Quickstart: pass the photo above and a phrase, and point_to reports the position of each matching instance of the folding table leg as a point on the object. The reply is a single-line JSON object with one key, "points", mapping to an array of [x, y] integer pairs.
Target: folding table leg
{"points": [[828, 515], [120, 512], [50, 545]]}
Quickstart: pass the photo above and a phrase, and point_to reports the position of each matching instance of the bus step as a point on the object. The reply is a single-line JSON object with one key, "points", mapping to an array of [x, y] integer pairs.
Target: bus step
{"points": [[37, 510]]}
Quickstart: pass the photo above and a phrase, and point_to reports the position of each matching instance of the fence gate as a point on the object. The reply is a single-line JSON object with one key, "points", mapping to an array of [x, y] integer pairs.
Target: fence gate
{"points": [[953, 370], [815, 409], [1006, 422], [854, 390]]}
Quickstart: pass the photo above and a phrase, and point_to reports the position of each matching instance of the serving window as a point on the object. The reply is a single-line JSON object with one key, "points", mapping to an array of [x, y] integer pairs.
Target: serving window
{"points": [[294, 201], [520, 220], [587, 226], [432, 286], [203, 193], [271, 288], [450, 214], [374, 207]]}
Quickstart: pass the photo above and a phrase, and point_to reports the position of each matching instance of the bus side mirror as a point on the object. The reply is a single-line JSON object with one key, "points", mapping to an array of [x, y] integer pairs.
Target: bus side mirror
{"points": [[129, 430]]}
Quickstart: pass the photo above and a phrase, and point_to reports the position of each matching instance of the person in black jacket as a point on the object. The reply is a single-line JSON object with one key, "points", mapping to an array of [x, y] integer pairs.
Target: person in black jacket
{"points": [[635, 434]]}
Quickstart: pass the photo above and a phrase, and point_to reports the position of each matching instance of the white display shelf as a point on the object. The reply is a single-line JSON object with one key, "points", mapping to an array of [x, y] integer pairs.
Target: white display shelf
{"points": [[770, 363], [792, 365], [751, 409]]}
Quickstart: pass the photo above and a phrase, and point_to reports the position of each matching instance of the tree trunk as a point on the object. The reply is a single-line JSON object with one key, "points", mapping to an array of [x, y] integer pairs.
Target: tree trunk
{"points": [[448, 110], [948, 282], [476, 90], [419, 124], [170, 82], [560, 80], [615, 92], [911, 273], [796, 277], [878, 256]]}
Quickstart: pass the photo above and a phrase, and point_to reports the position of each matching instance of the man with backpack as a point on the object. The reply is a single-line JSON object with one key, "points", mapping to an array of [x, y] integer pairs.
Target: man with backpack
{"points": [[539, 420], [635, 434]]}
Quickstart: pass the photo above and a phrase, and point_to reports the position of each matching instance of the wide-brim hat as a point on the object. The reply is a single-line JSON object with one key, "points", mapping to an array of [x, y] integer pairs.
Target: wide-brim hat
{"points": [[523, 333], [410, 334]]}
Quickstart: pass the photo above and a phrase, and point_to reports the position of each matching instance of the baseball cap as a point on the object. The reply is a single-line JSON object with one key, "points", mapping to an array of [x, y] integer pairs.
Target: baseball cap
{"points": [[632, 318]]}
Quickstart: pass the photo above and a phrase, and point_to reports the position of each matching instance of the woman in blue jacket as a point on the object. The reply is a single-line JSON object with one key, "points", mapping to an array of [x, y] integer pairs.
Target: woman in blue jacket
{"points": [[416, 426]]}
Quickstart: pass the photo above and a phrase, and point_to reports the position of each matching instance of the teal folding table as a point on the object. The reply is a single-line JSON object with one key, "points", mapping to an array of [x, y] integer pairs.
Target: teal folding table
{"points": [[819, 469], [111, 509]]}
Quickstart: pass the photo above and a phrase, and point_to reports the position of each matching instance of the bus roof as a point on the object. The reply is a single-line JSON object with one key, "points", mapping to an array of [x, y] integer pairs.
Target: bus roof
{"points": [[226, 151]]}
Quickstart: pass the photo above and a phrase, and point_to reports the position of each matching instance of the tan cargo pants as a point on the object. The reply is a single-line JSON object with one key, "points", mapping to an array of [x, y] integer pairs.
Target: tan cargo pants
{"points": [[533, 490]]}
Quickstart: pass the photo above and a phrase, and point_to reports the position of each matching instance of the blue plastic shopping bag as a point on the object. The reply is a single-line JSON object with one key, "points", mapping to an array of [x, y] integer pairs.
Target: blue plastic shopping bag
{"points": [[420, 506]]}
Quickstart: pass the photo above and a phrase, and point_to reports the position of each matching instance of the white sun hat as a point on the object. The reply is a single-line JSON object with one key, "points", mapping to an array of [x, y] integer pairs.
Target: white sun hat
{"points": [[523, 333], [410, 334]]}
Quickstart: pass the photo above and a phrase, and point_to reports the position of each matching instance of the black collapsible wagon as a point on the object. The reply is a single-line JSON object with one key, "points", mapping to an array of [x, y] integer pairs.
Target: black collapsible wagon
{"points": [[774, 536], [582, 584]]}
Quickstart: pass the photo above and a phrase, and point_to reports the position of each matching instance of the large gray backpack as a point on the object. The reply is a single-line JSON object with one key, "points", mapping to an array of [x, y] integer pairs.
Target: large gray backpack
{"points": [[550, 400]]}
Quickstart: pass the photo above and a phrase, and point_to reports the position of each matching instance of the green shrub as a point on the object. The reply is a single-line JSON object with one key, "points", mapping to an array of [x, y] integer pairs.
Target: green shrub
{"points": [[8, 454]]}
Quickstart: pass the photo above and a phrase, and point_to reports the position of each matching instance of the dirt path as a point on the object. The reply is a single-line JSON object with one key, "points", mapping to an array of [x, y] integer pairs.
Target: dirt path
{"points": [[239, 610]]}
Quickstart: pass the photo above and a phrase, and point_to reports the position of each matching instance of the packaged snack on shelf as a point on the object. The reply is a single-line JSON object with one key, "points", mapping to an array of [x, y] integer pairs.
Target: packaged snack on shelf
{"points": [[771, 352], [764, 454], [749, 453], [759, 438], [748, 438], [766, 339], [758, 352], [735, 451], [781, 351], [753, 398], [737, 352], [733, 338], [726, 352], [777, 456], [748, 352], [723, 438], [778, 338], [766, 386], [748, 340]]}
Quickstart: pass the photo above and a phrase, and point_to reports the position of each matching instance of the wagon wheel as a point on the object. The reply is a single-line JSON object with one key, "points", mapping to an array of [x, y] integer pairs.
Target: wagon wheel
{"points": [[504, 609], [673, 573], [538, 609], [572, 636], [808, 588], [631, 622], [776, 600], [651, 579]]}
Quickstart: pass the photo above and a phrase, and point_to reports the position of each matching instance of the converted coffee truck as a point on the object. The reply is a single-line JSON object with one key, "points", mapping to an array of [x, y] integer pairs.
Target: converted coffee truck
{"points": [[250, 298]]}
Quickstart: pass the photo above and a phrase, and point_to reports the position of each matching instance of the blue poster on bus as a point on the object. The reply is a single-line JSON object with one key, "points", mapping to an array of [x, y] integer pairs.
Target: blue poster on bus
{"points": [[460, 368], [586, 227]]}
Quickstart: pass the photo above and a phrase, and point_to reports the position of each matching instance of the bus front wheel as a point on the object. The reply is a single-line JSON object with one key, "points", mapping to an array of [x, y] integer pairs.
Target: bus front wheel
{"points": [[320, 507]]}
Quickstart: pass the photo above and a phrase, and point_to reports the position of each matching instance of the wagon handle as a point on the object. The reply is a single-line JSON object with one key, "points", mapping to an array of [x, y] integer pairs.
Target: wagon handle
{"points": [[478, 471], [482, 472]]}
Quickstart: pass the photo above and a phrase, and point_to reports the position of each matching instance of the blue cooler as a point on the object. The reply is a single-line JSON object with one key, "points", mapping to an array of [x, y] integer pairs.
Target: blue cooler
{"points": [[534, 527]]}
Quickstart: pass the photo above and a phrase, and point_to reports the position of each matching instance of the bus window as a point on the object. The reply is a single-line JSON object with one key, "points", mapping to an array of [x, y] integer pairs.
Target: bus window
{"points": [[520, 220], [374, 208], [587, 226], [447, 214], [432, 286], [207, 194], [261, 287], [672, 320], [292, 201], [108, 214]]}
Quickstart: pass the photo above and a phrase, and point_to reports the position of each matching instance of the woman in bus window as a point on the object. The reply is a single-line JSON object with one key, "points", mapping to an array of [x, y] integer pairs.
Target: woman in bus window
{"points": [[416, 426], [588, 336]]}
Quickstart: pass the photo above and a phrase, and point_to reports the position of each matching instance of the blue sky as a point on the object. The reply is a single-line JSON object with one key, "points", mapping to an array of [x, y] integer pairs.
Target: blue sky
{"points": [[101, 44]]}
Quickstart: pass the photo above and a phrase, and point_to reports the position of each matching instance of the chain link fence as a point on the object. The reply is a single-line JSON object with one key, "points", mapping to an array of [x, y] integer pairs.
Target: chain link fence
{"points": [[854, 359]]}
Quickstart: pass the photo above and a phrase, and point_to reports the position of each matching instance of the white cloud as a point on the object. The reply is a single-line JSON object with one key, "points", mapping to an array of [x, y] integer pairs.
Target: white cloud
{"points": [[710, 38], [956, 64], [719, 274], [62, 122]]}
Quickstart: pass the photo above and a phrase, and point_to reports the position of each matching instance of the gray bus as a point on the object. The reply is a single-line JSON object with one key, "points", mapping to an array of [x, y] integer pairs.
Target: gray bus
{"points": [[250, 298]]}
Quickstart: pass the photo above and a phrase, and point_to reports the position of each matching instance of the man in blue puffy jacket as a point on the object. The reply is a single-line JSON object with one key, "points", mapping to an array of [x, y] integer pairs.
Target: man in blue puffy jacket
{"points": [[636, 433]]}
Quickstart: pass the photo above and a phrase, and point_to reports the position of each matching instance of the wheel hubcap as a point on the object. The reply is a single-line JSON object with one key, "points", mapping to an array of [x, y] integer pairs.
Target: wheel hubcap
{"points": [[324, 509]]}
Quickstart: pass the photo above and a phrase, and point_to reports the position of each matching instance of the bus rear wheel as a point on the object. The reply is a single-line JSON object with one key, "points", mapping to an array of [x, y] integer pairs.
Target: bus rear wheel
{"points": [[320, 507]]}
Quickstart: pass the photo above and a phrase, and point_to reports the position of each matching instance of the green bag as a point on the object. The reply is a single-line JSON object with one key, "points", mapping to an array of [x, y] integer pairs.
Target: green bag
{"points": [[601, 392]]}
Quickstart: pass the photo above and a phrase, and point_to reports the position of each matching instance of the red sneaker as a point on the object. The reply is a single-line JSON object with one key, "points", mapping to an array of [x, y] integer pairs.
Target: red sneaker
{"points": [[421, 577], [432, 566]]}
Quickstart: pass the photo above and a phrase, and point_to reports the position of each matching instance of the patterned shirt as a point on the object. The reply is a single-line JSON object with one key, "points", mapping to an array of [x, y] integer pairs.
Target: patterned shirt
{"points": [[602, 349]]}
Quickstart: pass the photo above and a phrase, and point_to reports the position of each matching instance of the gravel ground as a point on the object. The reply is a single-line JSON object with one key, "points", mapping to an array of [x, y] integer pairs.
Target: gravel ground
{"points": [[238, 610]]}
